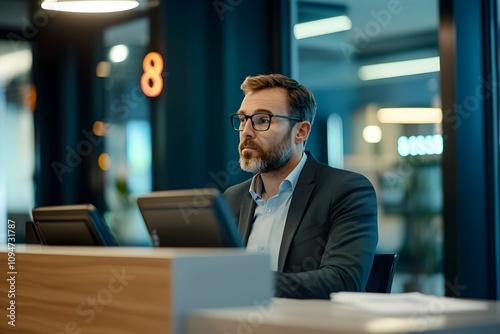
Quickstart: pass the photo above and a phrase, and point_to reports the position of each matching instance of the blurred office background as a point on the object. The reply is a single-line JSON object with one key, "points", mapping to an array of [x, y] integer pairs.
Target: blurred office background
{"points": [[76, 127]]}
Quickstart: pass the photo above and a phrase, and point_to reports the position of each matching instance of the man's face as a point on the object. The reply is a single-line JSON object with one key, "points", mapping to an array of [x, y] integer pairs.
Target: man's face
{"points": [[265, 151]]}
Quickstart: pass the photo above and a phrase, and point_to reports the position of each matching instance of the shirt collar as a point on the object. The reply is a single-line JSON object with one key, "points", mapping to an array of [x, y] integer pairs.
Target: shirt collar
{"points": [[288, 183]]}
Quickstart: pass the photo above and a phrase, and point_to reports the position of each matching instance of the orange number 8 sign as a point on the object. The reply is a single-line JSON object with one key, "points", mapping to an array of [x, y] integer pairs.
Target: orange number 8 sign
{"points": [[151, 80]]}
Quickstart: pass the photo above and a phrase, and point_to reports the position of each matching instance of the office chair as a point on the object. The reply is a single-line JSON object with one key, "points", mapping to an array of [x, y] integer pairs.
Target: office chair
{"points": [[382, 273]]}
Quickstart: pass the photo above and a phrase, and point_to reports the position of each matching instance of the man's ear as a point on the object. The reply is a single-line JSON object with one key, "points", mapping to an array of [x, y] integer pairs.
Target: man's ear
{"points": [[302, 132]]}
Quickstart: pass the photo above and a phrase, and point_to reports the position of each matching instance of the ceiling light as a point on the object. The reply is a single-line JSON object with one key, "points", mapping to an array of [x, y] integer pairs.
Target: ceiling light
{"points": [[322, 27], [410, 115], [89, 6], [399, 68], [118, 53], [372, 134]]}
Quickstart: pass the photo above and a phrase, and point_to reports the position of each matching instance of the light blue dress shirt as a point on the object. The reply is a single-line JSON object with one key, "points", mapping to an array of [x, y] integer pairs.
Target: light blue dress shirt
{"points": [[270, 216]]}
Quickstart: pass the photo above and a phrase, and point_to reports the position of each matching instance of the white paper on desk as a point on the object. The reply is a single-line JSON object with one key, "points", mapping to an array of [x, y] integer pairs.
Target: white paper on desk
{"points": [[411, 303]]}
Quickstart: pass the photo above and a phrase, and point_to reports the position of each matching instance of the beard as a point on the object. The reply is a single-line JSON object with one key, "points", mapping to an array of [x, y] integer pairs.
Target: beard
{"points": [[265, 162]]}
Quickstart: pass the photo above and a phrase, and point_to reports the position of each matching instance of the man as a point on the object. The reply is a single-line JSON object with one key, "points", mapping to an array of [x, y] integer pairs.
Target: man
{"points": [[318, 223]]}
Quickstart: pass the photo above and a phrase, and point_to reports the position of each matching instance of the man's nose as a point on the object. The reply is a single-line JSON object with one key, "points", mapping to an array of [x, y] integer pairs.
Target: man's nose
{"points": [[248, 130]]}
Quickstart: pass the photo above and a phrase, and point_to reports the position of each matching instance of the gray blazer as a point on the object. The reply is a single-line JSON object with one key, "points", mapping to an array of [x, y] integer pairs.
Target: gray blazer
{"points": [[330, 232]]}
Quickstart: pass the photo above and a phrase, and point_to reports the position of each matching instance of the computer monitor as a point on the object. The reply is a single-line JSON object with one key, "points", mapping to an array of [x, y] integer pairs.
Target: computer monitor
{"points": [[189, 218], [72, 225]]}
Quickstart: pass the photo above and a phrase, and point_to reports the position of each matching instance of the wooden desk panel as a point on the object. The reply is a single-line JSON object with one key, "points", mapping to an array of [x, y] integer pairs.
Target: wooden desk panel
{"points": [[98, 290]]}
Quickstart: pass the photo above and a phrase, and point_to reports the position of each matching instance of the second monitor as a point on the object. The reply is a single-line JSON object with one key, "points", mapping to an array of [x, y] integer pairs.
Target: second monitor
{"points": [[189, 218]]}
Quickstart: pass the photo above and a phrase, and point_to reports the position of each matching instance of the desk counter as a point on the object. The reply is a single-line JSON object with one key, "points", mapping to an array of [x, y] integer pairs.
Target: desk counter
{"points": [[77, 290], [294, 316]]}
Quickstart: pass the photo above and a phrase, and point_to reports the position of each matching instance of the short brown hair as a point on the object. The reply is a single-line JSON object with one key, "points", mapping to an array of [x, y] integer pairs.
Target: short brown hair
{"points": [[300, 100]]}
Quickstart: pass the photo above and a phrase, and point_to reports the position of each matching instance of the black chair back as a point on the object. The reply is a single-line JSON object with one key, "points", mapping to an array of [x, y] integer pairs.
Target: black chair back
{"points": [[382, 273]]}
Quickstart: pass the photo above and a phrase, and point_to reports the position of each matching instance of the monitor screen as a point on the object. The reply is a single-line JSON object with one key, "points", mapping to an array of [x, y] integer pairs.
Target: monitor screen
{"points": [[189, 218], [72, 225]]}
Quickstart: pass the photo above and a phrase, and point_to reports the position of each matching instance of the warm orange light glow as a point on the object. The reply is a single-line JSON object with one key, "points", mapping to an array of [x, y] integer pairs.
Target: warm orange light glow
{"points": [[104, 161], [28, 93], [151, 80], [103, 69], [100, 128]]}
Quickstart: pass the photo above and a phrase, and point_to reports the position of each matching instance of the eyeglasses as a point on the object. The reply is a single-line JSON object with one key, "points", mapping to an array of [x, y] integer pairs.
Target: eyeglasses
{"points": [[260, 121]]}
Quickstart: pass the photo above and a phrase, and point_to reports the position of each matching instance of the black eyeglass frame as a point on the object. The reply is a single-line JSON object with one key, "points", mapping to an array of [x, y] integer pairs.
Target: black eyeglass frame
{"points": [[237, 117]]}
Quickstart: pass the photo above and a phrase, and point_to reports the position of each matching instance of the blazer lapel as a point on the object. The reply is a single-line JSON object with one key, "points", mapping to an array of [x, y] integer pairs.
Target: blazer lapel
{"points": [[246, 217], [301, 195]]}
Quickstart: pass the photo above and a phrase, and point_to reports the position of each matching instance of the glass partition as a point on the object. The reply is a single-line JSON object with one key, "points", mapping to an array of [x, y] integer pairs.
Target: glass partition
{"points": [[17, 158], [374, 69], [127, 129]]}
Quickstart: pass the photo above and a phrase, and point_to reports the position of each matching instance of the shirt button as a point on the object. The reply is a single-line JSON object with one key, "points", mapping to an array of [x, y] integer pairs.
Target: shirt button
{"points": [[268, 210]]}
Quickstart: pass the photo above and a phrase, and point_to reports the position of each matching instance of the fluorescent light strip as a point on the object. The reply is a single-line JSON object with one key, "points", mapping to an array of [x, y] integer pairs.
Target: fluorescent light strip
{"points": [[399, 68], [410, 115], [335, 141], [322, 27]]}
